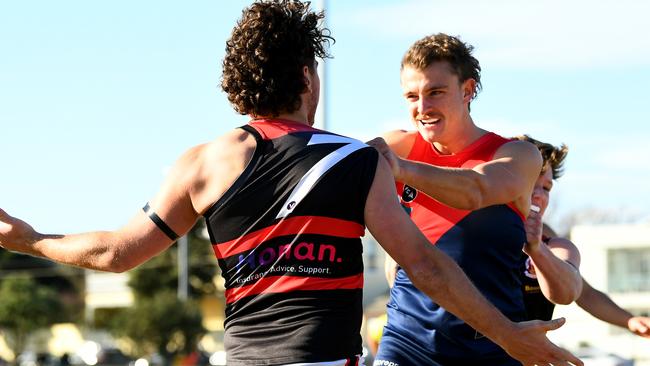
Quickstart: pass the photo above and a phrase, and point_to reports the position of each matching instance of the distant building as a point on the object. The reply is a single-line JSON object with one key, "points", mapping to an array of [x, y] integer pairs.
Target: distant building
{"points": [[106, 290], [615, 260]]}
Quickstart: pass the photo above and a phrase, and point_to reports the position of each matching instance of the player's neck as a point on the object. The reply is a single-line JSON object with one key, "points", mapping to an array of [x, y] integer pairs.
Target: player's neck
{"points": [[298, 116], [463, 136]]}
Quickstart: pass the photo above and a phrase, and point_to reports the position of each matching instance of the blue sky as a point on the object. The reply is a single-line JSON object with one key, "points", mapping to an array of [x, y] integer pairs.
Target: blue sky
{"points": [[98, 98]]}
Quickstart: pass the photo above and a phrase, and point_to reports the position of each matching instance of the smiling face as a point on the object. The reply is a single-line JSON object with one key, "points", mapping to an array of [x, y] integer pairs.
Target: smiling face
{"points": [[437, 101], [542, 190]]}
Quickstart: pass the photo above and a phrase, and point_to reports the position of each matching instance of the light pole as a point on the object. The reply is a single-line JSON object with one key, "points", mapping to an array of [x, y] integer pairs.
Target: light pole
{"points": [[183, 270]]}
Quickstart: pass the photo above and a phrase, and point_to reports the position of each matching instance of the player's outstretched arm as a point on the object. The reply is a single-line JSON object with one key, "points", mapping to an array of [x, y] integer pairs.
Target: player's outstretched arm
{"points": [[119, 250], [604, 308], [509, 177], [438, 276], [113, 251], [197, 180]]}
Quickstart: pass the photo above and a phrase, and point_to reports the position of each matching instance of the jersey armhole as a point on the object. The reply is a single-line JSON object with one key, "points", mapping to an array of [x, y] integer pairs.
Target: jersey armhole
{"points": [[243, 177], [517, 211]]}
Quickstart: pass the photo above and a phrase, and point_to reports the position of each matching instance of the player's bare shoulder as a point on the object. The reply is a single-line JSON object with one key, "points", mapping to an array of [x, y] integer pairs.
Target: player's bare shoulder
{"points": [[400, 141], [235, 146], [219, 163], [521, 150]]}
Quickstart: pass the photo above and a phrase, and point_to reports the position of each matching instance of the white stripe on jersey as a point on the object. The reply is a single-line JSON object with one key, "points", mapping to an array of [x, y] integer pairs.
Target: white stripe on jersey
{"points": [[309, 180]]}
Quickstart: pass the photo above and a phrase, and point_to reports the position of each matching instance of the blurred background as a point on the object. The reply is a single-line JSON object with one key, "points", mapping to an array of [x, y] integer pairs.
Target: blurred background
{"points": [[98, 99]]}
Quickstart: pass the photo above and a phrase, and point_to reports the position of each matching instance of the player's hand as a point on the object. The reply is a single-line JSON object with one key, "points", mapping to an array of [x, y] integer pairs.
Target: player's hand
{"points": [[529, 345], [393, 160], [534, 227], [640, 326], [15, 234]]}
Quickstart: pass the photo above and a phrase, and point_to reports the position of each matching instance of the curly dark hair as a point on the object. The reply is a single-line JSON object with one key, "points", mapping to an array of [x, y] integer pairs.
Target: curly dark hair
{"points": [[553, 156], [266, 53], [443, 47]]}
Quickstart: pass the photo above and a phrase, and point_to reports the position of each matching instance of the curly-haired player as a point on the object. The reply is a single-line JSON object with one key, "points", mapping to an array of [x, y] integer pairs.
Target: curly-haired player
{"points": [[286, 205], [262, 75]]}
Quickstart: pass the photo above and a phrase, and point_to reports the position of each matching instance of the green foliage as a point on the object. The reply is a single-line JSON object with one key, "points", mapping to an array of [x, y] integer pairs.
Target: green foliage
{"points": [[26, 306], [158, 321], [16, 261], [161, 323], [66, 281], [161, 272]]}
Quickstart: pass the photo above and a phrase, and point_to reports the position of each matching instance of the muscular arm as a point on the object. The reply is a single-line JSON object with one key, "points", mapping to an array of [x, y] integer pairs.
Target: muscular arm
{"points": [[113, 251], [509, 177], [556, 267], [602, 307], [556, 263], [198, 178], [439, 277]]}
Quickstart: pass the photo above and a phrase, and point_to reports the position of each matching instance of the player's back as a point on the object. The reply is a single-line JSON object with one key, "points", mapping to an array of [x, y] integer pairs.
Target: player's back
{"points": [[287, 238]]}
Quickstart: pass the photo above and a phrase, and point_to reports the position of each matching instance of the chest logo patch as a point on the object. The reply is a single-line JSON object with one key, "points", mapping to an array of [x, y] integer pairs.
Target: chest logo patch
{"points": [[530, 269]]}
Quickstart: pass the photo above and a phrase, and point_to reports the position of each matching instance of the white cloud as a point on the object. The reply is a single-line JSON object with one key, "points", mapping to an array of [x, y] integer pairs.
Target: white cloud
{"points": [[553, 34]]}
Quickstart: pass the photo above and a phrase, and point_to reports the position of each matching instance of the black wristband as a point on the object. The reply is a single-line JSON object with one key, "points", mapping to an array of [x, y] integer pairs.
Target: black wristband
{"points": [[159, 222]]}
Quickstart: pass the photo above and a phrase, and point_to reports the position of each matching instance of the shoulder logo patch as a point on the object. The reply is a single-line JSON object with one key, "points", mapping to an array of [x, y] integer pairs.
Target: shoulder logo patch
{"points": [[409, 193]]}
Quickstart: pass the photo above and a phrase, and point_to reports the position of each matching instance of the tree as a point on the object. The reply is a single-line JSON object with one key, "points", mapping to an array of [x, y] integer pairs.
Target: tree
{"points": [[26, 306], [161, 323], [161, 272], [66, 281], [158, 321]]}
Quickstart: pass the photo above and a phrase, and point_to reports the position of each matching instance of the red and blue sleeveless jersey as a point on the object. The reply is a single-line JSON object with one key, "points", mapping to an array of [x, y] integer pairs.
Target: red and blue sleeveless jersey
{"points": [[486, 243], [287, 238]]}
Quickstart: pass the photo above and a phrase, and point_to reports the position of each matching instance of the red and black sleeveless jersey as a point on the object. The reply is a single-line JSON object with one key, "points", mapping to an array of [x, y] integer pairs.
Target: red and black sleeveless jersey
{"points": [[287, 239]]}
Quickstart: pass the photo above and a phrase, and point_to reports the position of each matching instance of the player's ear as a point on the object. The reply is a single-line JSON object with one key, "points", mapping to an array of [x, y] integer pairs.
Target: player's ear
{"points": [[307, 75], [469, 89]]}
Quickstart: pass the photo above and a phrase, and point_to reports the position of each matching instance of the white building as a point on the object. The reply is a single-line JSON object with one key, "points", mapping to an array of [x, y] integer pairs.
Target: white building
{"points": [[615, 260]]}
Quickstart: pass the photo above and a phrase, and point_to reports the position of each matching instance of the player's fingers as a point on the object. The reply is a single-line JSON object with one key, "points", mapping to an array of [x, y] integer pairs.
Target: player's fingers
{"points": [[5, 220], [553, 324], [377, 142], [568, 356]]}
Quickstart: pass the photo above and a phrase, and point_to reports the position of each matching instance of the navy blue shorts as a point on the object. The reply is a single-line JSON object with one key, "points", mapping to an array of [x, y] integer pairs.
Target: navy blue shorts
{"points": [[395, 350]]}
